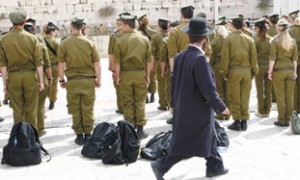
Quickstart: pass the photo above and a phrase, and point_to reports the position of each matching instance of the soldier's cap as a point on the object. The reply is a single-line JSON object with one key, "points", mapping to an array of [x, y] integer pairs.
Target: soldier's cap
{"points": [[76, 20], [187, 7], [124, 13], [28, 24], [197, 27], [17, 15], [273, 15], [141, 16], [175, 23], [283, 22], [221, 23], [52, 26], [128, 17], [241, 16], [294, 14], [222, 18], [260, 22], [33, 21], [201, 14], [230, 20], [164, 19]]}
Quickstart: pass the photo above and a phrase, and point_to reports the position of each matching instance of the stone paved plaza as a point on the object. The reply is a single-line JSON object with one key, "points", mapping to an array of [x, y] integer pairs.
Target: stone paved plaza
{"points": [[262, 152]]}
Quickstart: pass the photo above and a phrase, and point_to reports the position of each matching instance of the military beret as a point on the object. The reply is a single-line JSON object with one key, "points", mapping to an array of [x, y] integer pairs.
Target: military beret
{"points": [[33, 21], [17, 16], [221, 23], [222, 18], [235, 19], [175, 23], [128, 17], [52, 26], [283, 22], [141, 16], [187, 7], [165, 20], [273, 15], [294, 14], [260, 22], [28, 24], [201, 14], [76, 20], [124, 13]]}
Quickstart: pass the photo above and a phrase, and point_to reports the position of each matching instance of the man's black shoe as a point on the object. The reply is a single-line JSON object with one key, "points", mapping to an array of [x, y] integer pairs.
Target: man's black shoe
{"points": [[5, 102], [152, 98], [147, 99], [87, 136], [119, 111], [244, 125], [216, 173], [280, 124], [79, 139], [158, 174], [141, 133], [51, 105], [235, 126]]}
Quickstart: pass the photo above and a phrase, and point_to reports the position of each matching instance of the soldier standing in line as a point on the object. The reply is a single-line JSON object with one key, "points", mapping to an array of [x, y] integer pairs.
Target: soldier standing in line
{"points": [[133, 68], [111, 48], [215, 62], [82, 70], [263, 84], [293, 15], [52, 46], [23, 61], [148, 32], [295, 33], [156, 42], [238, 66], [283, 72]]}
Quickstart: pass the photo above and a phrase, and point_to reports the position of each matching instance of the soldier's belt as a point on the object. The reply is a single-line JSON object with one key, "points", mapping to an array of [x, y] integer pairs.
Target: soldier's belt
{"points": [[132, 68], [283, 68], [21, 70], [80, 77], [239, 66]]}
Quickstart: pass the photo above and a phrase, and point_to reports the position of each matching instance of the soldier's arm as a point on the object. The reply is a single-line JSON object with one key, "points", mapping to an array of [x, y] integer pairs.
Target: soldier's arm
{"points": [[213, 51], [295, 59], [40, 70], [117, 61], [253, 59], [225, 58], [97, 67], [163, 57], [172, 49], [3, 70], [272, 58], [149, 61]]}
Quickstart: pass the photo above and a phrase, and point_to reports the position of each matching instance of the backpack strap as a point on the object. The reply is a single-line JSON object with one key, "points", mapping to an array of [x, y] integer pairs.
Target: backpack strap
{"points": [[126, 144], [45, 152], [49, 47]]}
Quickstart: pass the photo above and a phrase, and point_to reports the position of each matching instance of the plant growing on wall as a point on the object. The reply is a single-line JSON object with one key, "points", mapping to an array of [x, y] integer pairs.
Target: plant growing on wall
{"points": [[264, 4], [107, 11]]}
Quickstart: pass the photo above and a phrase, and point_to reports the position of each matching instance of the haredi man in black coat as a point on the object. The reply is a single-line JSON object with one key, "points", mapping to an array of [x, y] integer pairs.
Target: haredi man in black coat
{"points": [[195, 100]]}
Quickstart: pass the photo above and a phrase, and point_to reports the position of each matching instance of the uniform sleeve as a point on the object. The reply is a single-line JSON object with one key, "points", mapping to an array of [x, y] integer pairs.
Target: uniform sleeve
{"points": [[148, 52], [95, 54], [46, 59], [172, 45], [273, 51], [163, 55], [38, 54], [253, 58], [213, 52], [3, 59], [117, 53], [207, 48], [110, 44], [61, 54], [225, 58], [295, 51], [154, 46]]}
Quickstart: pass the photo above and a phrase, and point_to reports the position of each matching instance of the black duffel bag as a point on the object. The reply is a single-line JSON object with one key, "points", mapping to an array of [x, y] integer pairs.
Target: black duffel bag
{"points": [[221, 135]]}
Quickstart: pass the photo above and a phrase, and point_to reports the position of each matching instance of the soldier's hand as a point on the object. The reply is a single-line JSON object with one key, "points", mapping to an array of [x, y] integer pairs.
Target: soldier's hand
{"points": [[41, 87], [226, 79], [162, 75], [270, 76], [118, 81], [226, 112], [97, 82], [148, 80], [63, 84]]}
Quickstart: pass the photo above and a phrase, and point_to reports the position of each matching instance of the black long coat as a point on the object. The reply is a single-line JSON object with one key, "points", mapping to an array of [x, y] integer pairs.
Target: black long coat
{"points": [[195, 99]]}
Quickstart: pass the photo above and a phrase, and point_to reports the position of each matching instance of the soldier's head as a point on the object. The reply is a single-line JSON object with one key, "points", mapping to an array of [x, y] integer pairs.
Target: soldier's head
{"points": [[127, 22], [236, 23], [187, 12], [119, 19], [163, 23], [29, 27], [260, 28], [77, 24], [143, 20], [197, 30], [50, 28], [282, 25], [201, 14], [17, 16], [221, 29], [273, 18]]}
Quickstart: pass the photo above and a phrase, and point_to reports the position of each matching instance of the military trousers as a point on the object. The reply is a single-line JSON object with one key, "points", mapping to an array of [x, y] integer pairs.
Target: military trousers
{"points": [[52, 94], [41, 105], [23, 93], [297, 91], [161, 87], [81, 99], [168, 87], [239, 87], [284, 91], [119, 96], [134, 92], [152, 86], [264, 90]]}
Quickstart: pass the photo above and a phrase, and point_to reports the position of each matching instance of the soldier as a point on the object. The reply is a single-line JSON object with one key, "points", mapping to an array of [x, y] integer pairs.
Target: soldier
{"points": [[156, 42], [29, 27], [263, 84], [215, 62], [23, 61], [133, 67], [82, 70], [111, 47], [238, 66], [52, 46], [295, 33], [148, 32], [283, 71], [293, 15]]}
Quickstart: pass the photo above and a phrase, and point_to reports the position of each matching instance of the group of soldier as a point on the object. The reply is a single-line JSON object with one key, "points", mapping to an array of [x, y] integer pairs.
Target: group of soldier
{"points": [[140, 59]]}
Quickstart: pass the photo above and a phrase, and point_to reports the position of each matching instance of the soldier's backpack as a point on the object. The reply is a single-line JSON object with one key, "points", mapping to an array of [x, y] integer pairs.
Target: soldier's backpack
{"points": [[24, 147], [295, 123], [157, 146], [93, 148]]}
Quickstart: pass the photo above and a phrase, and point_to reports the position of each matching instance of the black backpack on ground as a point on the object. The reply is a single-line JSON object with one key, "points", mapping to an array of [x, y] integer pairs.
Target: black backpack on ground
{"points": [[221, 135], [24, 147], [295, 123], [93, 148], [157, 146]]}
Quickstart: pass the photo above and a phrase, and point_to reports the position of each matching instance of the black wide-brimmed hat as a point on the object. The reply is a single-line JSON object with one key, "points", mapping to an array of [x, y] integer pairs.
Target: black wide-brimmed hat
{"points": [[197, 27]]}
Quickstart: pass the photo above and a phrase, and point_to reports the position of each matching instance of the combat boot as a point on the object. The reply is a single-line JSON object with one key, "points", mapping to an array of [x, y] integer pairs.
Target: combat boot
{"points": [[244, 125], [79, 139], [51, 105], [235, 126], [152, 98], [147, 99], [5, 101], [141, 133]]}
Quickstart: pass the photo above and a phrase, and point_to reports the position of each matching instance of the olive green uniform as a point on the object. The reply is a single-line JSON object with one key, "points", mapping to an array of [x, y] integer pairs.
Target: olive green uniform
{"points": [[239, 65], [21, 53], [215, 62], [282, 78], [156, 42], [43, 94], [263, 84], [80, 54], [164, 57], [53, 60], [132, 53], [111, 45], [295, 33], [152, 86], [273, 32]]}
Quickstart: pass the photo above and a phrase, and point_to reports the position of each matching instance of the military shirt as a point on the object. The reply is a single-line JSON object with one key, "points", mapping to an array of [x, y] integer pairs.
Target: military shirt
{"points": [[295, 33], [79, 53], [282, 57], [112, 41], [132, 50], [148, 32], [163, 55], [216, 47], [54, 44], [45, 55], [178, 40], [263, 50], [156, 44], [20, 49], [272, 31], [238, 50]]}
